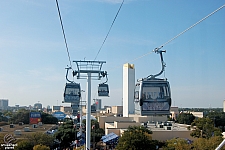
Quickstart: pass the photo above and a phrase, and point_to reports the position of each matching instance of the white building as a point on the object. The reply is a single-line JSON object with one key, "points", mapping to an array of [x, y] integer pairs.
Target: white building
{"points": [[128, 89]]}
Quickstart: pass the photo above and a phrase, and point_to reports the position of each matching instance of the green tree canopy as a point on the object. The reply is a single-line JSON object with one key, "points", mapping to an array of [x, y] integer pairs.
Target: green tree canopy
{"points": [[185, 118], [24, 144], [30, 140], [218, 118], [21, 116], [207, 144], [177, 144], [66, 134], [48, 118], [3, 117], [204, 128], [41, 147], [96, 132], [136, 138]]}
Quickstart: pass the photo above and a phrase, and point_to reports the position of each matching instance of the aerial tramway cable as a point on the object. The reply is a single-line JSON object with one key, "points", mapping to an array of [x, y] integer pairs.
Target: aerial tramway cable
{"points": [[72, 91], [109, 30], [179, 33], [103, 88], [64, 35], [193, 25]]}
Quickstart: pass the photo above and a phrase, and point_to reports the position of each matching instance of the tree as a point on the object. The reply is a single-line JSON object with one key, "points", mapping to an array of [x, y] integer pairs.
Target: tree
{"points": [[2, 141], [211, 143], [31, 140], [40, 138], [204, 128], [66, 134], [177, 144], [24, 145], [41, 147], [136, 138], [21, 116], [48, 119], [96, 132], [185, 118], [218, 118], [81, 148], [3, 117], [7, 114]]}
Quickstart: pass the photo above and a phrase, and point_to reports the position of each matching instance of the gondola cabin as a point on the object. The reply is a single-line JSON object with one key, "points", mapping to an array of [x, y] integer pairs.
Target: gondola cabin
{"points": [[72, 93], [152, 97], [103, 90]]}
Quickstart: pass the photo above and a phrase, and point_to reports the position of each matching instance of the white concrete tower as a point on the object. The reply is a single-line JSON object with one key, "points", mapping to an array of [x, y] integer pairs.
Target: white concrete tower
{"points": [[128, 89], [224, 106]]}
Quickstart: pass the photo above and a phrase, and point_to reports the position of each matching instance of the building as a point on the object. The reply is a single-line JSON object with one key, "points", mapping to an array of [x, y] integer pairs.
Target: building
{"points": [[115, 124], [128, 89], [117, 110], [18, 107], [98, 104], [66, 109], [198, 114], [56, 108], [174, 112], [109, 110], [4, 103], [38, 106], [93, 108], [162, 130]]}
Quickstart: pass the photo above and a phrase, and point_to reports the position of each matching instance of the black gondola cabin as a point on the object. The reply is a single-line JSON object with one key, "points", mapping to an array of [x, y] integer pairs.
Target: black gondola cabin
{"points": [[103, 90], [72, 93]]}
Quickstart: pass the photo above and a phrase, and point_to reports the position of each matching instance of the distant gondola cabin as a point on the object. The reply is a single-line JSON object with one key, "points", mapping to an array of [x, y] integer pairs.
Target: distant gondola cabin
{"points": [[103, 90]]}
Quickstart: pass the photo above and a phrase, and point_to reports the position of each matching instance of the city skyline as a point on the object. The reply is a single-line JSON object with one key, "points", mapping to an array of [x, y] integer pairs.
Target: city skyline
{"points": [[34, 58]]}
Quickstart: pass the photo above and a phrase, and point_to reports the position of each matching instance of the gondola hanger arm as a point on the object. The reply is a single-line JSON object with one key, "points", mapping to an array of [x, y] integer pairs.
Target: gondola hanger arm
{"points": [[158, 51], [67, 75]]}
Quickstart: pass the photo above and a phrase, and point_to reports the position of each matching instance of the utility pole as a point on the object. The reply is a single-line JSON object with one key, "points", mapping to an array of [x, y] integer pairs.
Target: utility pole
{"points": [[88, 70]]}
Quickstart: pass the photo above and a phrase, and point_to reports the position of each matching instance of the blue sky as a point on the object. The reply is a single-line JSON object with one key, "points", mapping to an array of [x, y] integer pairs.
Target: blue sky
{"points": [[33, 54]]}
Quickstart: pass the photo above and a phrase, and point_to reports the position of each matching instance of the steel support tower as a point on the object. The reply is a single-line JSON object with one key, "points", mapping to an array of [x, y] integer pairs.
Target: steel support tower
{"points": [[89, 70]]}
